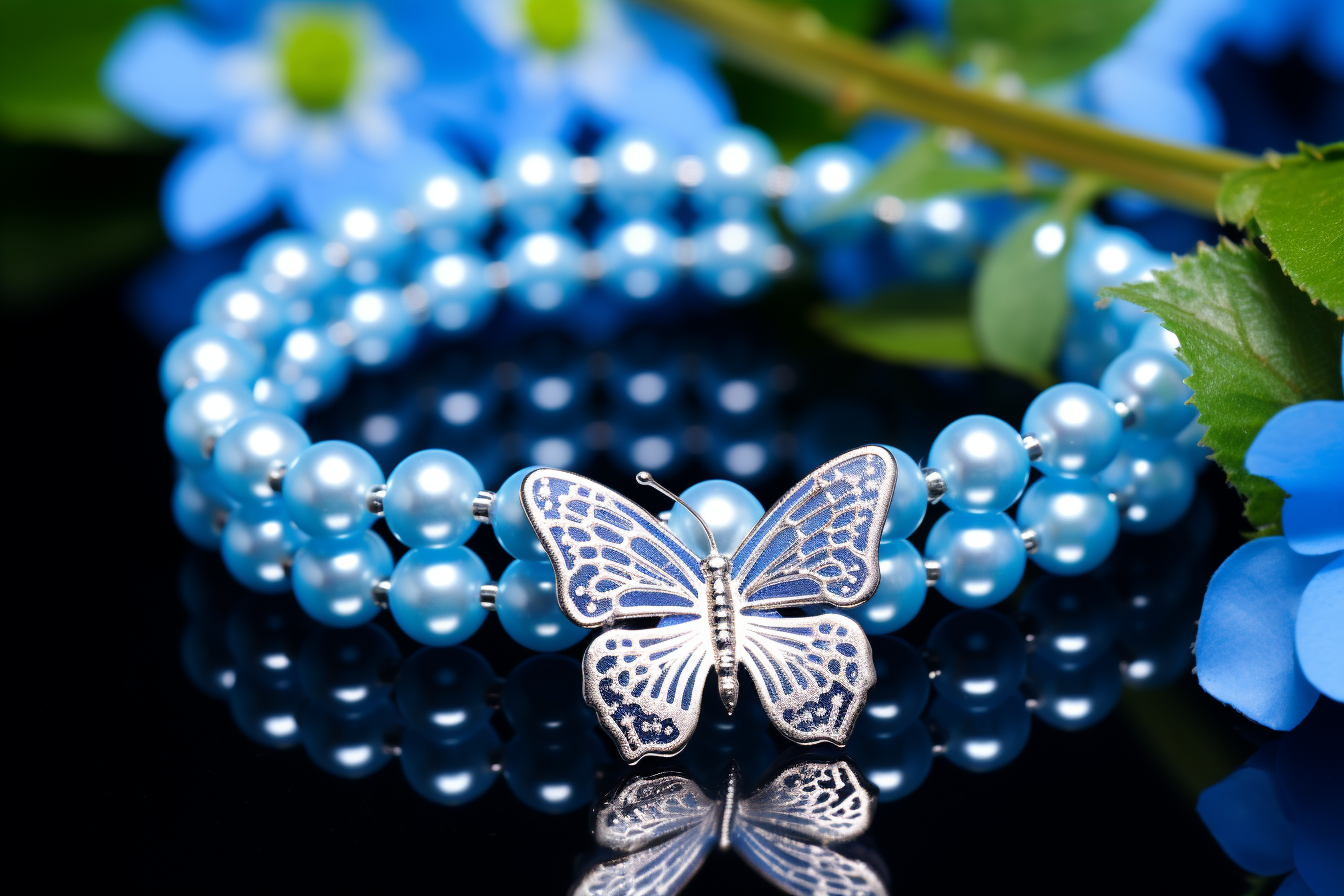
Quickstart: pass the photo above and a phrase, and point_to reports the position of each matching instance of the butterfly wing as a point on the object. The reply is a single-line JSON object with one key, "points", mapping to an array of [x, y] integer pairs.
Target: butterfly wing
{"points": [[657, 870], [812, 673], [646, 684], [648, 809], [819, 543], [611, 557], [803, 869], [821, 801]]}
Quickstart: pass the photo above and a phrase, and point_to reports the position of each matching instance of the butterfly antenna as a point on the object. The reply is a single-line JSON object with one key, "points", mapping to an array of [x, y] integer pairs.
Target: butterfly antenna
{"points": [[644, 477]]}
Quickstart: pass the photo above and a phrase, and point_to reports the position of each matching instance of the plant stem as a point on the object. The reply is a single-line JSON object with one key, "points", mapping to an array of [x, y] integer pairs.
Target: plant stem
{"points": [[799, 48]]}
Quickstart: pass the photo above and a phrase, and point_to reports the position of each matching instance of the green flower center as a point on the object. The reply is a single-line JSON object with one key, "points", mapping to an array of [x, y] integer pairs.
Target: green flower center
{"points": [[318, 53], [556, 25]]}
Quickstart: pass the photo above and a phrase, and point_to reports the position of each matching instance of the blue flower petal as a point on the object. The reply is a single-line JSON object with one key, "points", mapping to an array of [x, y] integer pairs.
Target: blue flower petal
{"points": [[1320, 631], [1294, 885], [1299, 449], [1244, 651], [1242, 813], [213, 192], [1311, 779], [162, 72], [665, 99]]}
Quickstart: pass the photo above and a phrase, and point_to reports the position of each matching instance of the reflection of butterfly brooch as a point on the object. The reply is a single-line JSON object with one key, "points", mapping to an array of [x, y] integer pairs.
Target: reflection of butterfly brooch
{"points": [[613, 560], [665, 825]]}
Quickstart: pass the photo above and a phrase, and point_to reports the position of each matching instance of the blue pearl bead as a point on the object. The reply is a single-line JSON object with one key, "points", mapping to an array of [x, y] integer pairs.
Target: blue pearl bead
{"points": [[206, 354], [896, 764], [1151, 334], [266, 715], [1151, 382], [334, 578], [1152, 483], [380, 329], [983, 464], [311, 366], [257, 542], [638, 174], [936, 240], [527, 607], [1077, 427], [900, 592], [554, 774], [273, 395], [447, 203], [909, 500], [1074, 699], [327, 489], [347, 748], [1074, 619], [986, 740], [1105, 256], [451, 774], [347, 672], [442, 692], [256, 446], [1187, 443], [206, 658], [289, 263], [544, 271], [1075, 522], [902, 688], [545, 693], [370, 231], [436, 595], [200, 511], [982, 658], [539, 192], [510, 524], [459, 300], [980, 555], [728, 509], [428, 500], [638, 261], [239, 306], [197, 418], [265, 636], [824, 175], [731, 259], [737, 162]]}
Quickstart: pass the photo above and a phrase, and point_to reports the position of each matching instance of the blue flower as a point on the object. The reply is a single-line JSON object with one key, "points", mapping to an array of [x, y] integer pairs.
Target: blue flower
{"points": [[296, 105], [1272, 626], [567, 61]]}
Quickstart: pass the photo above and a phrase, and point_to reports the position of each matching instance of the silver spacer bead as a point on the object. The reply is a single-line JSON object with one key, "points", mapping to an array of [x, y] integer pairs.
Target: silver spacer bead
{"points": [[591, 265], [888, 209], [932, 570], [1126, 414], [586, 173], [208, 446], [490, 595], [480, 506], [690, 172], [276, 478], [492, 191], [496, 275], [683, 251], [935, 484], [380, 591], [374, 499], [778, 259], [1031, 540], [779, 182], [1033, 446], [664, 515]]}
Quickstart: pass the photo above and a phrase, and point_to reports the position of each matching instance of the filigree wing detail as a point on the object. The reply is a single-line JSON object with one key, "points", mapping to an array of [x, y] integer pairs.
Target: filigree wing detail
{"points": [[821, 801], [646, 684], [819, 543], [811, 673], [612, 558], [804, 869], [648, 809], [657, 870]]}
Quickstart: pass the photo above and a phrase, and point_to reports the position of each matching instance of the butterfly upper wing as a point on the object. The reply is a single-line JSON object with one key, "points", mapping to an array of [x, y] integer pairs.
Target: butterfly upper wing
{"points": [[819, 543], [611, 557], [648, 809], [657, 870], [646, 684], [821, 801], [812, 673]]}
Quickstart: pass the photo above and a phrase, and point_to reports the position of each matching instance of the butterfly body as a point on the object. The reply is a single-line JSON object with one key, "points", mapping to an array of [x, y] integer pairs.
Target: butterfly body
{"points": [[615, 561]]}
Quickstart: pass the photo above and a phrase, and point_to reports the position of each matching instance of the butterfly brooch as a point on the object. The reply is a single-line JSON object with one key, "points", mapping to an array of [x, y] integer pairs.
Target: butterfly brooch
{"points": [[663, 827], [615, 562]]}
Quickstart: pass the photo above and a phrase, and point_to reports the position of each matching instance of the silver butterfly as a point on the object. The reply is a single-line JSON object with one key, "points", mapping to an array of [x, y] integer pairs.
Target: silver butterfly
{"points": [[615, 561], [666, 826]]}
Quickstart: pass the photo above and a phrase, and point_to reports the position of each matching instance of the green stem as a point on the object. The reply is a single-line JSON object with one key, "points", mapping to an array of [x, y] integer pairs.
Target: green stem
{"points": [[799, 48]]}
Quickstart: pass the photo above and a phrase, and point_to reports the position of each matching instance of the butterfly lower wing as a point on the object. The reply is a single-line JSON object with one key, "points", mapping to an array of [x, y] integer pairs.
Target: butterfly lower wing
{"points": [[811, 673], [646, 685], [801, 868], [819, 543], [656, 870], [612, 558], [822, 801], [648, 809]]}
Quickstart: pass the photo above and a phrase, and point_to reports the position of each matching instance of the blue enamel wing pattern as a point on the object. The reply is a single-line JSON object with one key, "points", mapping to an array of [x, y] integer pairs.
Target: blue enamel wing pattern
{"points": [[614, 561]]}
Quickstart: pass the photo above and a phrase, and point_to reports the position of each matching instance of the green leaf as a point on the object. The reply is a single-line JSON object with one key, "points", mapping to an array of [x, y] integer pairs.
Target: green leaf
{"points": [[1296, 205], [50, 54], [1255, 344], [923, 168], [855, 16], [920, 326], [1041, 40]]}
